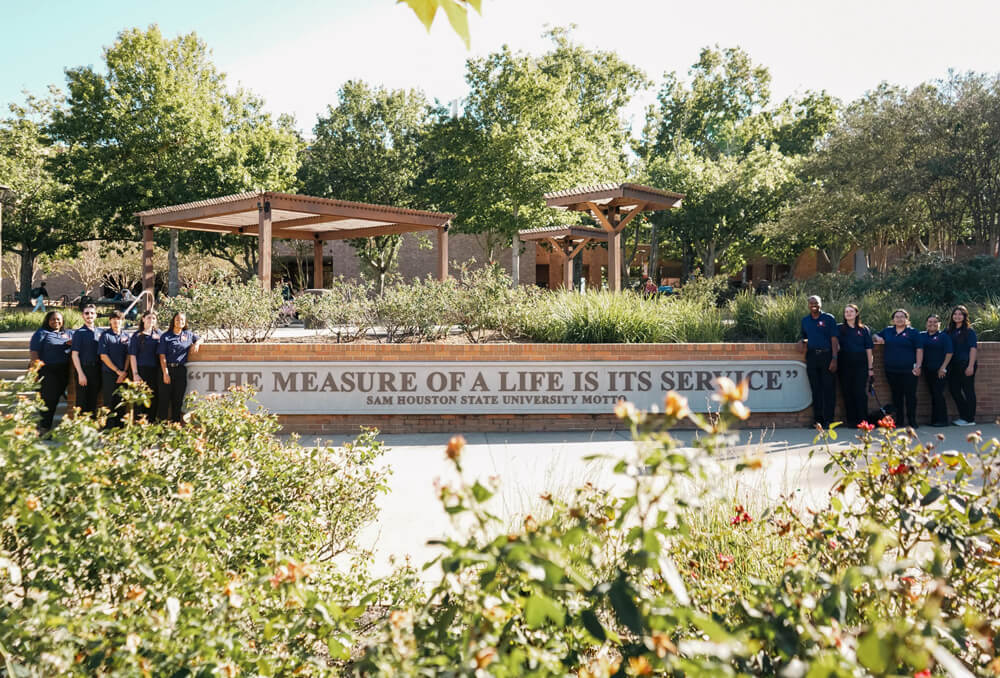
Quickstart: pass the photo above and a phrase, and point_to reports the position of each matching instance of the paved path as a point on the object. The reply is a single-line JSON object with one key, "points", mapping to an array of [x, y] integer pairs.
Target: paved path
{"points": [[529, 464]]}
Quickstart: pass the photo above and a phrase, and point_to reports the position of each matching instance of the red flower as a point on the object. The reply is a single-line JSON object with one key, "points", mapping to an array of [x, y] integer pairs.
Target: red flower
{"points": [[741, 516], [899, 470], [887, 422], [725, 560], [833, 543], [865, 426], [926, 673]]}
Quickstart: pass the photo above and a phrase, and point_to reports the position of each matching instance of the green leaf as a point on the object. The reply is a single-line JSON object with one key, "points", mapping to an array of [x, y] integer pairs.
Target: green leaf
{"points": [[932, 495], [873, 653], [593, 625], [480, 493], [458, 17], [624, 607], [424, 9], [540, 609]]}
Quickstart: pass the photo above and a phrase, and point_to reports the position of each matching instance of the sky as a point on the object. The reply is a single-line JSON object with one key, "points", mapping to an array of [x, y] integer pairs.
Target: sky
{"points": [[297, 53]]}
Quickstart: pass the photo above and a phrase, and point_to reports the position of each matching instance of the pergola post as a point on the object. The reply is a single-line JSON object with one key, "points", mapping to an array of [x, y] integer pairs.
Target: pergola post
{"points": [[318, 264], [442, 248], [264, 244], [568, 273], [148, 278], [615, 261]]}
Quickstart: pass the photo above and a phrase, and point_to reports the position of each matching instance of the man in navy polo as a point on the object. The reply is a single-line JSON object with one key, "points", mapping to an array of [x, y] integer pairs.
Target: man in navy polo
{"points": [[820, 337], [86, 362]]}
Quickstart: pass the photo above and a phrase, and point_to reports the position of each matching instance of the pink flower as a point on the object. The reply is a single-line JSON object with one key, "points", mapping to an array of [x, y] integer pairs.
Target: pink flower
{"points": [[865, 426]]}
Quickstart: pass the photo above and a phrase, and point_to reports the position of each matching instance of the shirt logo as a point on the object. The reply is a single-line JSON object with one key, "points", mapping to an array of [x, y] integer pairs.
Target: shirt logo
{"points": [[820, 323]]}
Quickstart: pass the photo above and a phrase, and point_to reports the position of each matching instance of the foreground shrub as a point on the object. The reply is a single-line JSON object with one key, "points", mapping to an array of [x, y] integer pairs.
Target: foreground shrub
{"points": [[894, 576], [228, 311], [211, 549]]}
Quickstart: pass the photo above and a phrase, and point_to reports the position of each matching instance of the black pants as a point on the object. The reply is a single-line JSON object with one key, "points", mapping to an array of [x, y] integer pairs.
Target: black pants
{"points": [[151, 375], [86, 396], [935, 384], [903, 386], [112, 401], [54, 380], [821, 381], [852, 368], [172, 395], [963, 389]]}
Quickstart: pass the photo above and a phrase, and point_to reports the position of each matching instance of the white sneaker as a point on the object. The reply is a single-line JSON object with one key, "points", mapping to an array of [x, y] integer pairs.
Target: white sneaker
{"points": [[963, 422]]}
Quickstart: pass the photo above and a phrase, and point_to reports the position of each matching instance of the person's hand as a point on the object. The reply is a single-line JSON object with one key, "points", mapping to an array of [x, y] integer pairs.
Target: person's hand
{"points": [[970, 370], [876, 339], [916, 371], [121, 377], [833, 365], [166, 377], [82, 379], [195, 346], [942, 373]]}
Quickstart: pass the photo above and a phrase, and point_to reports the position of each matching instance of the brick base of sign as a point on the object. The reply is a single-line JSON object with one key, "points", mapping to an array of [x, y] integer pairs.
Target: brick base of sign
{"points": [[987, 381]]}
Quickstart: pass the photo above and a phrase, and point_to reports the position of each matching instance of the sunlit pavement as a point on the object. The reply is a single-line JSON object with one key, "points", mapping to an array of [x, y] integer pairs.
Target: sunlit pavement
{"points": [[529, 464]]}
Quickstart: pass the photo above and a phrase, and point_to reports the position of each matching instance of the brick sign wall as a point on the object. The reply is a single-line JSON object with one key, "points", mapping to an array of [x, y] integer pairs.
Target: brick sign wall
{"points": [[422, 385]]}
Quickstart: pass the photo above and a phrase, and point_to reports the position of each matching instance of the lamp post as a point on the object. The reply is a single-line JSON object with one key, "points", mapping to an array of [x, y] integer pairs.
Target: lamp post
{"points": [[3, 194]]}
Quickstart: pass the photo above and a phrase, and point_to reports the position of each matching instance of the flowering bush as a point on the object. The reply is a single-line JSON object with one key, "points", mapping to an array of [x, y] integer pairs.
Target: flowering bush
{"points": [[233, 312], [210, 549], [896, 575], [340, 309]]}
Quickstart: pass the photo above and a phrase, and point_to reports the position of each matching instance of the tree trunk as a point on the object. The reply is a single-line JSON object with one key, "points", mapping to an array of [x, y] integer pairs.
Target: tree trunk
{"points": [[515, 253], [708, 260], [173, 278], [687, 262], [654, 253], [26, 276]]}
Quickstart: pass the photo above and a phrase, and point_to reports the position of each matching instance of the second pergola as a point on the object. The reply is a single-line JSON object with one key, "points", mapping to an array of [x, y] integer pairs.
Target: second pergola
{"points": [[613, 207], [566, 242]]}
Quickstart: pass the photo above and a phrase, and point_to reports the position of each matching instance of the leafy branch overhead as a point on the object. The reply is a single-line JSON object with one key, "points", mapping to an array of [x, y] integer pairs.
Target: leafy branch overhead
{"points": [[456, 10]]}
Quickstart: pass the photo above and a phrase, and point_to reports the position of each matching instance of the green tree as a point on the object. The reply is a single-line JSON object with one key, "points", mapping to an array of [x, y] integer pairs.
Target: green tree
{"points": [[368, 149], [716, 138], [159, 127], [41, 214]]}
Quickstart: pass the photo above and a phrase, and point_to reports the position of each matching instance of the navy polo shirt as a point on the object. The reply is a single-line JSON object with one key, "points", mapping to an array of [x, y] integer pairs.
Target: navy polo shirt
{"points": [[962, 342], [115, 346], [175, 346], [143, 347], [854, 339], [52, 347], [85, 343], [819, 331], [900, 348], [936, 347]]}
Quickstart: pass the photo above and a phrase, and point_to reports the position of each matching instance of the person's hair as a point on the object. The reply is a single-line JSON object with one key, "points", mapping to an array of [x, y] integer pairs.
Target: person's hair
{"points": [[932, 315], [857, 318], [816, 297], [148, 314], [86, 306], [906, 314], [48, 317], [173, 321], [965, 319], [116, 314]]}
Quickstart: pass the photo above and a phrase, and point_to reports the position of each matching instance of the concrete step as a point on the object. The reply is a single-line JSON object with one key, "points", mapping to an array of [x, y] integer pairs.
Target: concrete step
{"points": [[14, 342], [13, 363], [14, 351], [12, 373]]}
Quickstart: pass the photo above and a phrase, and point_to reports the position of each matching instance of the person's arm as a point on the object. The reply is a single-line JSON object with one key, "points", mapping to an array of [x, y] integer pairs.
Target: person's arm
{"points": [[34, 349], [920, 361], [135, 367], [163, 367], [802, 336], [106, 359], [943, 370], [835, 347], [877, 338], [80, 376], [971, 369], [871, 362]]}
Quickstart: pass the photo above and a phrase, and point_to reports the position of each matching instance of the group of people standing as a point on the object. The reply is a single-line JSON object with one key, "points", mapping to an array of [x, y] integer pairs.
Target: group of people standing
{"points": [[103, 359], [844, 350]]}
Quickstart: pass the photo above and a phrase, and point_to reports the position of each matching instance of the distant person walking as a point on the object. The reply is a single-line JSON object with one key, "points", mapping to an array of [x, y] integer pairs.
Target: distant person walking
{"points": [[142, 347], [856, 365], [962, 370], [50, 348], [113, 351], [176, 344], [903, 356], [937, 354], [820, 338], [39, 294], [86, 361]]}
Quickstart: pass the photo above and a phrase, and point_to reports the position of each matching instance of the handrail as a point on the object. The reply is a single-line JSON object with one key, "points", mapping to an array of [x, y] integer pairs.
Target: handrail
{"points": [[152, 302]]}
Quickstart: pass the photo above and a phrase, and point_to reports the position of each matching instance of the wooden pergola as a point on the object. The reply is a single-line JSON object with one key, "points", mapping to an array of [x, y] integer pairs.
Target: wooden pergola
{"points": [[614, 206], [567, 242], [269, 215]]}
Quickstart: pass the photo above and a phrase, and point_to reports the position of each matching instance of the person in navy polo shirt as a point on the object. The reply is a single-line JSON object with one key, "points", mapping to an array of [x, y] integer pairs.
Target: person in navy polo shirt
{"points": [[50, 347], [175, 345], [85, 360], [820, 337], [903, 356], [113, 351], [855, 366], [937, 355], [962, 370], [145, 363]]}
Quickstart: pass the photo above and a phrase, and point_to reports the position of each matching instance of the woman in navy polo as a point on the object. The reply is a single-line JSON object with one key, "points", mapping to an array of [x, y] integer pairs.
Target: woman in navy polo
{"points": [[113, 351], [962, 370], [903, 358], [937, 355], [173, 350], [85, 360], [50, 347], [856, 365], [145, 363]]}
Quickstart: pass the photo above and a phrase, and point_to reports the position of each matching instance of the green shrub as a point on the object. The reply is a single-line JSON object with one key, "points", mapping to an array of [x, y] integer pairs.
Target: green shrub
{"points": [[232, 312], [689, 321], [779, 319], [17, 320], [712, 291], [341, 309], [594, 318], [986, 320], [211, 549], [934, 279], [484, 302]]}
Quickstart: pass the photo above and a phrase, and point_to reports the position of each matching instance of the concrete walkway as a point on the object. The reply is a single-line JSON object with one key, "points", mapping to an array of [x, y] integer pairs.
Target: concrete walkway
{"points": [[528, 464]]}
